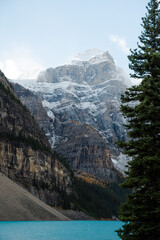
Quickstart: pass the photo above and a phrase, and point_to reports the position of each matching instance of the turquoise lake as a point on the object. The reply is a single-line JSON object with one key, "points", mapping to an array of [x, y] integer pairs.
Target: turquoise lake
{"points": [[59, 230]]}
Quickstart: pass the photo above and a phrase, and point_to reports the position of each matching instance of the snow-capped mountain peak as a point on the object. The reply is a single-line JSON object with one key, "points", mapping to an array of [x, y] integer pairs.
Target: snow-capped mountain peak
{"points": [[93, 56], [105, 56], [85, 94], [88, 54], [91, 67]]}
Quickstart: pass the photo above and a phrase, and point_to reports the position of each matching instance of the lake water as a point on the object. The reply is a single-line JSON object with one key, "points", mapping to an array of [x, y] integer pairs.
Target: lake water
{"points": [[59, 230]]}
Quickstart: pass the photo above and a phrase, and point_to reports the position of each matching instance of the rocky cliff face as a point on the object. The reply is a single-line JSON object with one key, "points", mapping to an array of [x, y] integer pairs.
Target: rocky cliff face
{"points": [[82, 100], [86, 151], [34, 105], [25, 154], [83, 146]]}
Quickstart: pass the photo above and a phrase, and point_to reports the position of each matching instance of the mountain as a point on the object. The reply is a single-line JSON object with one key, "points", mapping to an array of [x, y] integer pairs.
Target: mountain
{"points": [[25, 154], [82, 100], [28, 160]]}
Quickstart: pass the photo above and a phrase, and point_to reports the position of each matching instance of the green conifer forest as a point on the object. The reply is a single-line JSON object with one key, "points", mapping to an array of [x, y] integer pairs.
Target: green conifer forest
{"points": [[141, 107]]}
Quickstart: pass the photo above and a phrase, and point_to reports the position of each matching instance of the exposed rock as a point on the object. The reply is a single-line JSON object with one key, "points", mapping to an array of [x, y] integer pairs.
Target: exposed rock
{"points": [[25, 154], [34, 105], [86, 151], [82, 146]]}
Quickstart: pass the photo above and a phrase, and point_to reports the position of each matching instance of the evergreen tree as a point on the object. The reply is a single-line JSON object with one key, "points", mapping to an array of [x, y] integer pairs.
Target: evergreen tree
{"points": [[141, 107]]}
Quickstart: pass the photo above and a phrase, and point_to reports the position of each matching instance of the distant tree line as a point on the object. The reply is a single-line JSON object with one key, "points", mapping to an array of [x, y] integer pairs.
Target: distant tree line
{"points": [[98, 201]]}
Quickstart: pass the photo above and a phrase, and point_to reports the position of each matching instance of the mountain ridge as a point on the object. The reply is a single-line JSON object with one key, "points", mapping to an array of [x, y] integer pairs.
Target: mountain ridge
{"points": [[25, 154]]}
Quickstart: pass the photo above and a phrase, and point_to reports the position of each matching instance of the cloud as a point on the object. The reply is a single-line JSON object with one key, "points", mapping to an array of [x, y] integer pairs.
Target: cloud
{"points": [[20, 64], [136, 81], [121, 42], [10, 69]]}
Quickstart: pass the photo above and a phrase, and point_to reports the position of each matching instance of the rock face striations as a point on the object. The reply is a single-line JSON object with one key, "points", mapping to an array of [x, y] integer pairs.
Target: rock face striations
{"points": [[82, 101], [83, 147], [25, 154]]}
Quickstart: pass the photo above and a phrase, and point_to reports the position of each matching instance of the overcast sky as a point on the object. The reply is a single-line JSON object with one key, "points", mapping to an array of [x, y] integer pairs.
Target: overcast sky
{"points": [[37, 34]]}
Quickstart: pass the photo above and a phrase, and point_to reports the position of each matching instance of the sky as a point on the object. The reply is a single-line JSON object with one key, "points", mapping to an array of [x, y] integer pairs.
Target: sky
{"points": [[38, 34]]}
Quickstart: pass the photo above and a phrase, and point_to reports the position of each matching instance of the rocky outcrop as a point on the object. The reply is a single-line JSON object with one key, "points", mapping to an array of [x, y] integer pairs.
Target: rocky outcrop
{"points": [[40, 173], [15, 119], [34, 105], [25, 154], [86, 151], [97, 69]]}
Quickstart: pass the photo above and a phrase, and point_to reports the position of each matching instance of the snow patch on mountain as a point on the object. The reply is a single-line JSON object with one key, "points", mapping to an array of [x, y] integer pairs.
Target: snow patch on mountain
{"points": [[91, 56], [87, 55], [120, 163], [50, 114]]}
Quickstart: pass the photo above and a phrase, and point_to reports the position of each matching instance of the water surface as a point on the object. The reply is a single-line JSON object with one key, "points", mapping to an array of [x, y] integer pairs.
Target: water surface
{"points": [[59, 230]]}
